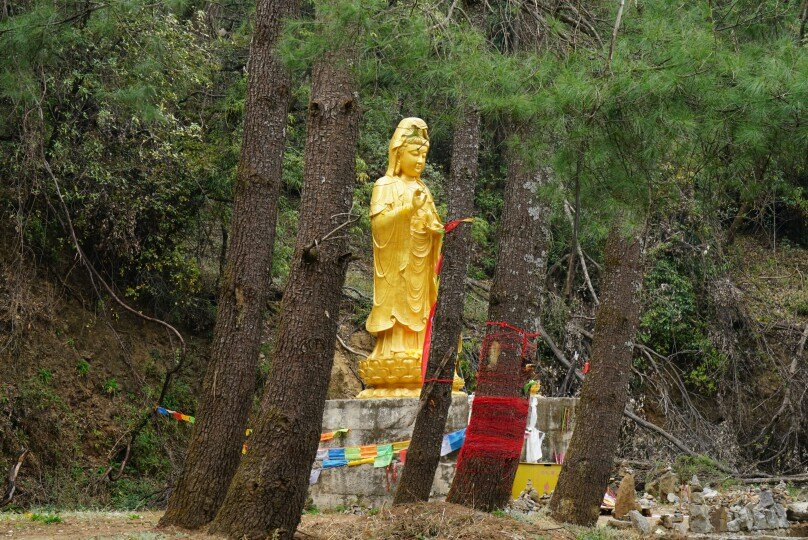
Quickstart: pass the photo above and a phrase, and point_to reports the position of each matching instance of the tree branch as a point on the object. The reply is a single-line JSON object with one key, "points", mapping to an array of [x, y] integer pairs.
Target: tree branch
{"points": [[11, 486], [357, 353], [581, 257], [614, 33], [94, 273]]}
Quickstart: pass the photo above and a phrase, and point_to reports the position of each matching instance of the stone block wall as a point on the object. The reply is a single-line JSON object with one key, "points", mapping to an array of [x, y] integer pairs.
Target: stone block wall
{"points": [[381, 421]]}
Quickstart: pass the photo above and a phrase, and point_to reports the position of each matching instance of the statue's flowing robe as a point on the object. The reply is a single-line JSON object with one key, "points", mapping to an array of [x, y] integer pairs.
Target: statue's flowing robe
{"points": [[405, 253]]}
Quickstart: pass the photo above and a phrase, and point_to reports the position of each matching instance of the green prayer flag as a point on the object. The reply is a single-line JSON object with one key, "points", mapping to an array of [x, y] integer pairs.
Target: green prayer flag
{"points": [[384, 455]]}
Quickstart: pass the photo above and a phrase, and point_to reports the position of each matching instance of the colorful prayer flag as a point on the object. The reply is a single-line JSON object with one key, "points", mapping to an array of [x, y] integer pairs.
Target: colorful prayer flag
{"points": [[384, 455]]}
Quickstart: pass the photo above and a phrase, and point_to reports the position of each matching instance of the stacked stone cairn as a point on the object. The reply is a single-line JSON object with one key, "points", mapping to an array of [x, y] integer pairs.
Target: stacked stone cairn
{"points": [[627, 511], [699, 511], [529, 500]]}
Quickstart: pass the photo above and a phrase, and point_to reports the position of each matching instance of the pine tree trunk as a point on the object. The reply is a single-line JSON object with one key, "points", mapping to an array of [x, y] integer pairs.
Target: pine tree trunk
{"points": [[483, 478], [436, 397], [215, 448], [588, 462], [269, 489]]}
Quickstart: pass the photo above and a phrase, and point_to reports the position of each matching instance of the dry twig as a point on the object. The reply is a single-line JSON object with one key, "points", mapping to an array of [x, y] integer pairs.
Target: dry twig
{"points": [[11, 486]]}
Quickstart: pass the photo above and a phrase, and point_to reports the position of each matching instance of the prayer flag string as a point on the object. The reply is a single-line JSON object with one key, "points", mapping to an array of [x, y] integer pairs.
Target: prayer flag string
{"points": [[175, 415], [381, 455], [190, 419]]}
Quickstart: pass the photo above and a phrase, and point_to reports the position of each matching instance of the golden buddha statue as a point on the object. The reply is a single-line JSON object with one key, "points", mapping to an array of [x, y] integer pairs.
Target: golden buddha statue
{"points": [[407, 236]]}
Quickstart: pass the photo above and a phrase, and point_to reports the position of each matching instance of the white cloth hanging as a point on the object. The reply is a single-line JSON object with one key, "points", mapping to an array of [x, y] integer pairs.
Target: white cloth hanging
{"points": [[532, 434]]}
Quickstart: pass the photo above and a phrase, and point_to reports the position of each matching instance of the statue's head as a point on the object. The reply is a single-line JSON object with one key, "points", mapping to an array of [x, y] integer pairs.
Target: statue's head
{"points": [[408, 148]]}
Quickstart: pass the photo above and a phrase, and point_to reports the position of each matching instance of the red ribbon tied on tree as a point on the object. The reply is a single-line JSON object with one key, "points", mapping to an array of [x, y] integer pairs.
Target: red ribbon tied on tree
{"points": [[447, 228]]}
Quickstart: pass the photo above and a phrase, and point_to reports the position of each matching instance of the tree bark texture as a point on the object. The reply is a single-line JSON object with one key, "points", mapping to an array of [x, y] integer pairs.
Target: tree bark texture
{"points": [[588, 463], [436, 396], [482, 481], [215, 447], [266, 497]]}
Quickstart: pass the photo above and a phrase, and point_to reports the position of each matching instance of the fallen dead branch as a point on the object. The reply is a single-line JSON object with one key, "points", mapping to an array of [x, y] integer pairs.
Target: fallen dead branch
{"points": [[11, 485], [351, 350], [627, 412], [794, 479], [666, 369]]}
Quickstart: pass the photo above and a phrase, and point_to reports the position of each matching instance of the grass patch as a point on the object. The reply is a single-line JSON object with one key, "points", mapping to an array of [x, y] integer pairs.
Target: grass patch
{"points": [[702, 466], [45, 518], [601, 534]]}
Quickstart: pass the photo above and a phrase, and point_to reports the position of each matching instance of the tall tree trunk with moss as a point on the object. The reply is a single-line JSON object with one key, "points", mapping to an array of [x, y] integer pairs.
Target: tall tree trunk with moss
{"points": [[436, 396], [266, 497], [215, 448], [483, 480], [588, 462]]}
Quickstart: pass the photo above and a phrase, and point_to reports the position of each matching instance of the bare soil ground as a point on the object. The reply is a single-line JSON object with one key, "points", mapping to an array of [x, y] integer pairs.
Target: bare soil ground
{"points": [[433, 521]]}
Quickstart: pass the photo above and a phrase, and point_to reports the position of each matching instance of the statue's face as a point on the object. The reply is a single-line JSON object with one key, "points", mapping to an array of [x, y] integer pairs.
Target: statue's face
{"points": [[412, 159]]}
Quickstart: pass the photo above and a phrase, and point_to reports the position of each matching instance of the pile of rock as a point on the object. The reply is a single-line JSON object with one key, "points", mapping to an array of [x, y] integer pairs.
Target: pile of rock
{"points": [[530, 500], [737, 511], [753, 510], [763, 514], [675, 522], [699, 511]]}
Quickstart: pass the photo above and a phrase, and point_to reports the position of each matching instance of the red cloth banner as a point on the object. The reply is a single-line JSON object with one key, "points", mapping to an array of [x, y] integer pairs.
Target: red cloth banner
{"points": [[497, 429]]}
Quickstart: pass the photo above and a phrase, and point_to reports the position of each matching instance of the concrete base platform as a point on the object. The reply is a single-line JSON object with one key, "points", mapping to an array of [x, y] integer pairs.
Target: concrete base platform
{"points": [[377, 421], [382, 421]]}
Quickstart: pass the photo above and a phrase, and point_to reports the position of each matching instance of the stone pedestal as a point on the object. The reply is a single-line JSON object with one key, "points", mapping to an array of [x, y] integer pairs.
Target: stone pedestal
{"points": [[382, 421]]}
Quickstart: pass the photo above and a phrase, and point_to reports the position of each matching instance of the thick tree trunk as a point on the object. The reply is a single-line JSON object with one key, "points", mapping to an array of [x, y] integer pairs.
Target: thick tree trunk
{"points": [[436, 394], [215, 447], [588, 463], [266, 497], [485, 472]]}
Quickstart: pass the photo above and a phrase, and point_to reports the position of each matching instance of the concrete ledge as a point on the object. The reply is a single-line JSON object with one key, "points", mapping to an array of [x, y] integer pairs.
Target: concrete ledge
{"points": [[380, 421]]}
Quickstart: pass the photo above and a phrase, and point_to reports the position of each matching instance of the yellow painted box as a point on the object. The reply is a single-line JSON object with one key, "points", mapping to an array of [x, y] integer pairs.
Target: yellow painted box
{"points": [[543, 477]]}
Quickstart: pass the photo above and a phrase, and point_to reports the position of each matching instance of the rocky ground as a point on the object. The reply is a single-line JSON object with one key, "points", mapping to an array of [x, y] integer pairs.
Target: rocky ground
{"points": [[692, 510], [525, 519]]}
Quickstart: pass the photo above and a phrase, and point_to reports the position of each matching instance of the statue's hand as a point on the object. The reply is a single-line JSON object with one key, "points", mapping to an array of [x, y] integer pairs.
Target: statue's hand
{"points": [[418, 199]]}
